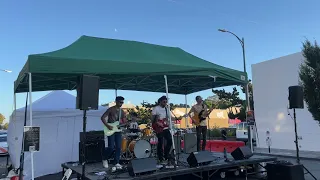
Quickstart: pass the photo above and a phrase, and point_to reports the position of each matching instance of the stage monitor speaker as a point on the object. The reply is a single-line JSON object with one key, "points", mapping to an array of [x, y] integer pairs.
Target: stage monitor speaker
{"points": [[241, 153], [142, 166], [296, 97], [94, 151], [200, 158], [283, 171], [88, 92], [190, 143]]}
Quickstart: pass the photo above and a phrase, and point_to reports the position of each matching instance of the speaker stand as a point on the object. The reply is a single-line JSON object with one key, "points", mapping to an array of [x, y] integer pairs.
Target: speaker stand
{"points": [[84, 126], [297, 144]]}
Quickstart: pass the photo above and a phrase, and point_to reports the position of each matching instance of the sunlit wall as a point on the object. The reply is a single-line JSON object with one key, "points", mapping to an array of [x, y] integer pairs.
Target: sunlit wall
{"points": [[271, 80]]}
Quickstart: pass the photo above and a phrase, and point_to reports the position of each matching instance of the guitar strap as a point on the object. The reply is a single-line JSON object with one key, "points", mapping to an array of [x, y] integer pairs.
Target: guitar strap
{"points": [[119, 114], [167, 116]]}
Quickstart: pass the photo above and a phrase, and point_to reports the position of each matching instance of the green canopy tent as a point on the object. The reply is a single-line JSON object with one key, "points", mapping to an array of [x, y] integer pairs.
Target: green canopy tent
{"points": [[125, 65]]}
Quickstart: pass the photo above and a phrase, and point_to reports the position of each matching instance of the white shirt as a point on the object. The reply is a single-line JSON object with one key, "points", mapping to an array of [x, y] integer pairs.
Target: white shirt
{"points": [[133, 125], [161, 112]]}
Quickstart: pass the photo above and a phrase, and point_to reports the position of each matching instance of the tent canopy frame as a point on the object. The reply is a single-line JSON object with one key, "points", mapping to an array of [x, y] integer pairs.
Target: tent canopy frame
{"points": [[40, 70]]}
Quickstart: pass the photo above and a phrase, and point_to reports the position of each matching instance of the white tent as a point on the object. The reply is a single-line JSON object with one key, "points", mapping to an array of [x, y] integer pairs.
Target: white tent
{"points": [[60, 124]]}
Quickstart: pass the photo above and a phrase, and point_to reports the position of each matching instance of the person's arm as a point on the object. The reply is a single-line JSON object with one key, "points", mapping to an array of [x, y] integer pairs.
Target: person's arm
{"points": [[192, 110], [103, 118], [123, 119]]}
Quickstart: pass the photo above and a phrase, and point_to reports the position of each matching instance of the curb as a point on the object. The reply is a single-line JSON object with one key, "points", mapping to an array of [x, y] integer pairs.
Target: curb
{"points": [[287, 156]]}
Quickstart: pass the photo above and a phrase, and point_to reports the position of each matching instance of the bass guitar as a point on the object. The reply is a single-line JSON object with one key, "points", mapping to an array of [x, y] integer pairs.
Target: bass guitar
{"points": [[201, 116], [116, 127]]}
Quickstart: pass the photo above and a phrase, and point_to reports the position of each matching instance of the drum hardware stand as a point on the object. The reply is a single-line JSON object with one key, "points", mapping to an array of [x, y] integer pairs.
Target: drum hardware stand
{"points": [[297, 144]]}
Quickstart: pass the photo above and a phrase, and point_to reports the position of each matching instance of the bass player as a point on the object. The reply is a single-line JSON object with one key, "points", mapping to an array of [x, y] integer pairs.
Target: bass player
{"points": [[160, 124], [112, 115], [200, 112]]}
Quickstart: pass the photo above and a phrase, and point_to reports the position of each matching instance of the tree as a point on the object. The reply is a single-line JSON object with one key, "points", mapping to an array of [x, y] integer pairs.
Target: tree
{"points": [[309, 75], [5, 126], [212, 101], [144, 111], [228, 100], [250, 89], [2, 118]]}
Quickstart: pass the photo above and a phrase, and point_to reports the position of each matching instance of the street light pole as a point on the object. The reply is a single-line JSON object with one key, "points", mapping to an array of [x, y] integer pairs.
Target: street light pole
{"points": [[244, 64], [246, 88]]}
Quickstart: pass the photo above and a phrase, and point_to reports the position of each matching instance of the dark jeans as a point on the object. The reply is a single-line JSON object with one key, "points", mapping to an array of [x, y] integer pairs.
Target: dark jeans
{"points": [[161, 136], [201, 130], [114, 144]]}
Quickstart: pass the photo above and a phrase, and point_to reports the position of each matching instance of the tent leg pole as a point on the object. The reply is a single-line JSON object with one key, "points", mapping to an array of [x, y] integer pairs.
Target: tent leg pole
{"points": [[116, 92], [170, 120], [186, 118], [30, 109], [30, 115]]}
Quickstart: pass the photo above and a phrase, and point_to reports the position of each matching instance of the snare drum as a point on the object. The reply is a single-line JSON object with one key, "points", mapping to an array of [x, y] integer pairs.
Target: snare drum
{"points": [[140, 148]]}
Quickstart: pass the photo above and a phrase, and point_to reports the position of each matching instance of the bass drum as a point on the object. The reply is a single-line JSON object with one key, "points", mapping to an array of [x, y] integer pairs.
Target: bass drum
{"points": [[140, 148], [124, 144]]}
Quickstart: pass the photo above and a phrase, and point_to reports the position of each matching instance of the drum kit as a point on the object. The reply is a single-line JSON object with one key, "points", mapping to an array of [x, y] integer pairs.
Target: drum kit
{"points": [[142, 144]]}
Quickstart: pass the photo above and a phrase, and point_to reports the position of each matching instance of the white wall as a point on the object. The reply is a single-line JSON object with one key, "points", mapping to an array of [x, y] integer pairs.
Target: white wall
{"points": [[271, 80]]}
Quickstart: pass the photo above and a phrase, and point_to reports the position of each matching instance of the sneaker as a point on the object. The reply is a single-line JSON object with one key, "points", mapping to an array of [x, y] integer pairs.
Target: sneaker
{"points": [[163, 162], [105, 163], [118, 166]]}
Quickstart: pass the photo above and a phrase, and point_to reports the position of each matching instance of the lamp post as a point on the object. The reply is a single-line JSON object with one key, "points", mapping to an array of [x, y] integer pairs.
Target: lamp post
{"points": [[5, 70], [245, 71]]}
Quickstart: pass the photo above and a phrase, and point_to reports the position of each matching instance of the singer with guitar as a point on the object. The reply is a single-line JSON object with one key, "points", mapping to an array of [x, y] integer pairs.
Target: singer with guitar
{"points": [[113, 119], [160, 124], [200, 113]]}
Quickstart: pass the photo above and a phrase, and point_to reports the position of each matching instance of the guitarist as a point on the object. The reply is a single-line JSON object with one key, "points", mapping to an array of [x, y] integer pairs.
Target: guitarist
{"points": [[113, 114], [200, 108], [160, 124]]}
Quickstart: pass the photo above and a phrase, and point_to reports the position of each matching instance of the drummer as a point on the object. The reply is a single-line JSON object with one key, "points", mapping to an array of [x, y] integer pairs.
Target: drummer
{"points": [[133, 125]]}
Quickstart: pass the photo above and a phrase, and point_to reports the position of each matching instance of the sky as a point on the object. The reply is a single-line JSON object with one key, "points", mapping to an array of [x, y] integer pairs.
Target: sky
{"points": [[271, 29]]}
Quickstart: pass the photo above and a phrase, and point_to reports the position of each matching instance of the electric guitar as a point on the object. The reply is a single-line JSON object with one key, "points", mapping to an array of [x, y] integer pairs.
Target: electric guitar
{"points": [[116, 127], [164, 123]]}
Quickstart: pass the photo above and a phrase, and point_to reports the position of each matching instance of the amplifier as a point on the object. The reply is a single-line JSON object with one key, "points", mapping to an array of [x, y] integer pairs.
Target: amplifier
{"points": [[92, 136], [177, 143], [284, 171], [190, 142], [94, 151]]}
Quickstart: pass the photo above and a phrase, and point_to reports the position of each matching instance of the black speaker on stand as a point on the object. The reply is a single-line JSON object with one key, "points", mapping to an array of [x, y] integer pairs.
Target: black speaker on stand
{"points": [[87, 99], [296, 102]]}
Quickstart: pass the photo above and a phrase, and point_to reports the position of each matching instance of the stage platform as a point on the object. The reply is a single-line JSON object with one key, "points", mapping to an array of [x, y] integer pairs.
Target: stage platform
{"points": [[182, 171]]}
